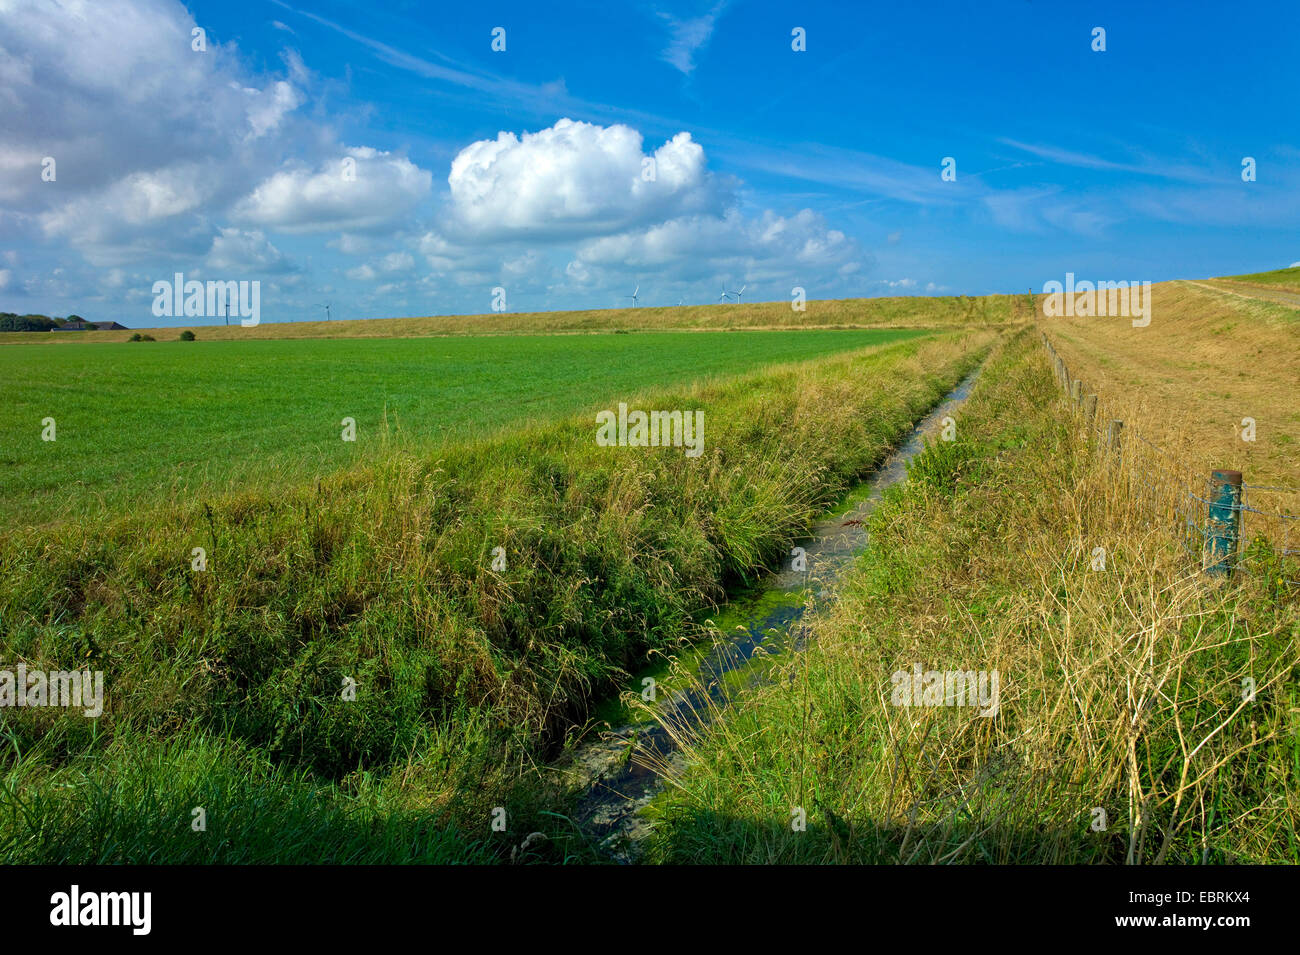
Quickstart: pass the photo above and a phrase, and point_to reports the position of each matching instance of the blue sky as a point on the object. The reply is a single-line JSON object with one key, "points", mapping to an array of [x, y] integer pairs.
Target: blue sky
{"points": [[384, 158]]}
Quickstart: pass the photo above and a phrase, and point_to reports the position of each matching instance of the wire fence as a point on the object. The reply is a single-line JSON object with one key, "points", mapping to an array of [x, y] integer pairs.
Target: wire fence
{"points": [[1215, 519]]}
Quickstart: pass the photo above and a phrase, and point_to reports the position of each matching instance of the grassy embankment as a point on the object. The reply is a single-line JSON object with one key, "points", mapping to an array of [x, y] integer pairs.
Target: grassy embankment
{"points": [[898, 312], [1121, 689], [142, 427], [1186, 382], [224, 686]]}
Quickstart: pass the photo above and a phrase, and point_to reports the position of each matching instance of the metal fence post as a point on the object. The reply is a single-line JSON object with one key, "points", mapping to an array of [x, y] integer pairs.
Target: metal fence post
{"points": [[1224, 530]]}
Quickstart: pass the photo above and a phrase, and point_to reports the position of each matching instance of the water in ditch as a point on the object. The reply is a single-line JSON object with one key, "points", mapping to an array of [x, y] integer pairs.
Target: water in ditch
{"points": [[620, 770]]}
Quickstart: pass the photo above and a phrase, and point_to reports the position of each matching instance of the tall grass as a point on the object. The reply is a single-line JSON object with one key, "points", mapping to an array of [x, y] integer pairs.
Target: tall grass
{"points": [[1122, 690], [203, 799], [229, 679]]}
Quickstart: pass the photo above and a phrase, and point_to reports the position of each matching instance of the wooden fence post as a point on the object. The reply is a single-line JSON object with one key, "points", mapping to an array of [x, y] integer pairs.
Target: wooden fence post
{"points": [[1112, 434]]}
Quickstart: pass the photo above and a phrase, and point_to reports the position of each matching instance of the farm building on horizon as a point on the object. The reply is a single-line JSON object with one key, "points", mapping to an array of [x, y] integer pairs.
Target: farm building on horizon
{"points": [[84, 326]]}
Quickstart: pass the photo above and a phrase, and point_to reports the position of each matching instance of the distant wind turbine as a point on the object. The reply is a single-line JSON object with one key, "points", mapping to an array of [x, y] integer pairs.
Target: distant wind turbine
{"points": [[723, 296], [737, 294], [326, 306], [634, 295]]}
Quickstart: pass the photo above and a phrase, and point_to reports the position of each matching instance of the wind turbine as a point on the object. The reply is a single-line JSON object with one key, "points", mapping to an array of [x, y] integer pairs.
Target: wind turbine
{"points": [[326, 306], [723, 296], [737, 294], [680, 300], [633, 296]]}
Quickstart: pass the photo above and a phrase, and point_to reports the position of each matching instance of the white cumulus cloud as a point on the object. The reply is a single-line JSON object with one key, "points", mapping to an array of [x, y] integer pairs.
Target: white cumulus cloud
{"points": [[237, 250], [370, 190], [575, 179], [768, 246]]}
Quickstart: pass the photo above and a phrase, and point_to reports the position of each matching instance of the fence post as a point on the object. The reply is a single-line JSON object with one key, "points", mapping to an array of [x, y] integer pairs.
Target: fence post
{"points": [[1076, 390], [1113, 433], [1224, 530], [1090, 407]]}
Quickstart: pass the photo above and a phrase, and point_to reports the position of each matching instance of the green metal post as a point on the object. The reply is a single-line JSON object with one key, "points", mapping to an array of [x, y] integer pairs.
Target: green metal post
{"points": [[1224, 530]]}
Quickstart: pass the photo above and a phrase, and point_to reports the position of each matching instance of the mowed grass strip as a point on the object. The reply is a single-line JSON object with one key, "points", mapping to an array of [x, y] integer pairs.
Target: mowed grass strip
{"points": [[227, 682], [1287, 279], [147, 423]]}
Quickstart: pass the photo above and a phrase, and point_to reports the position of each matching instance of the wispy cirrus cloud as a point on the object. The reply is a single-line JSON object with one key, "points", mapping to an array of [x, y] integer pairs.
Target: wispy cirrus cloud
{"points": [[548, 99], [850, 169], [448, 71], [689, 36], [1158, 168]]}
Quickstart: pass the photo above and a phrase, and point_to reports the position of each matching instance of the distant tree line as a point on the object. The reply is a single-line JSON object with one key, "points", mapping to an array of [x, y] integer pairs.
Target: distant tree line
{"points": [[13, 322]]}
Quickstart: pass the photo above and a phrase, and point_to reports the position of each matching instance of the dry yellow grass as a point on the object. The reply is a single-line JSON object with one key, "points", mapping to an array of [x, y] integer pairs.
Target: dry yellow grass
{"points": [[1208, 359]]}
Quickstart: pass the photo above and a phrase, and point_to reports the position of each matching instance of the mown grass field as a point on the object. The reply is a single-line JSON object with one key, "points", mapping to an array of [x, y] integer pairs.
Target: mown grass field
{"points": [[224, 685], [143, 424]]}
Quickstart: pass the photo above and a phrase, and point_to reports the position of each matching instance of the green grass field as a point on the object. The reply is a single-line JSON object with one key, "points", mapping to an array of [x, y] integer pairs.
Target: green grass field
{"points": [[138, 424]]}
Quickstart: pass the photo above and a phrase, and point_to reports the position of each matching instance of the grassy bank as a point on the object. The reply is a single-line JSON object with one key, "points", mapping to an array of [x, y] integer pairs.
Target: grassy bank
{"points": [[224, 686], [1121, 685]]}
